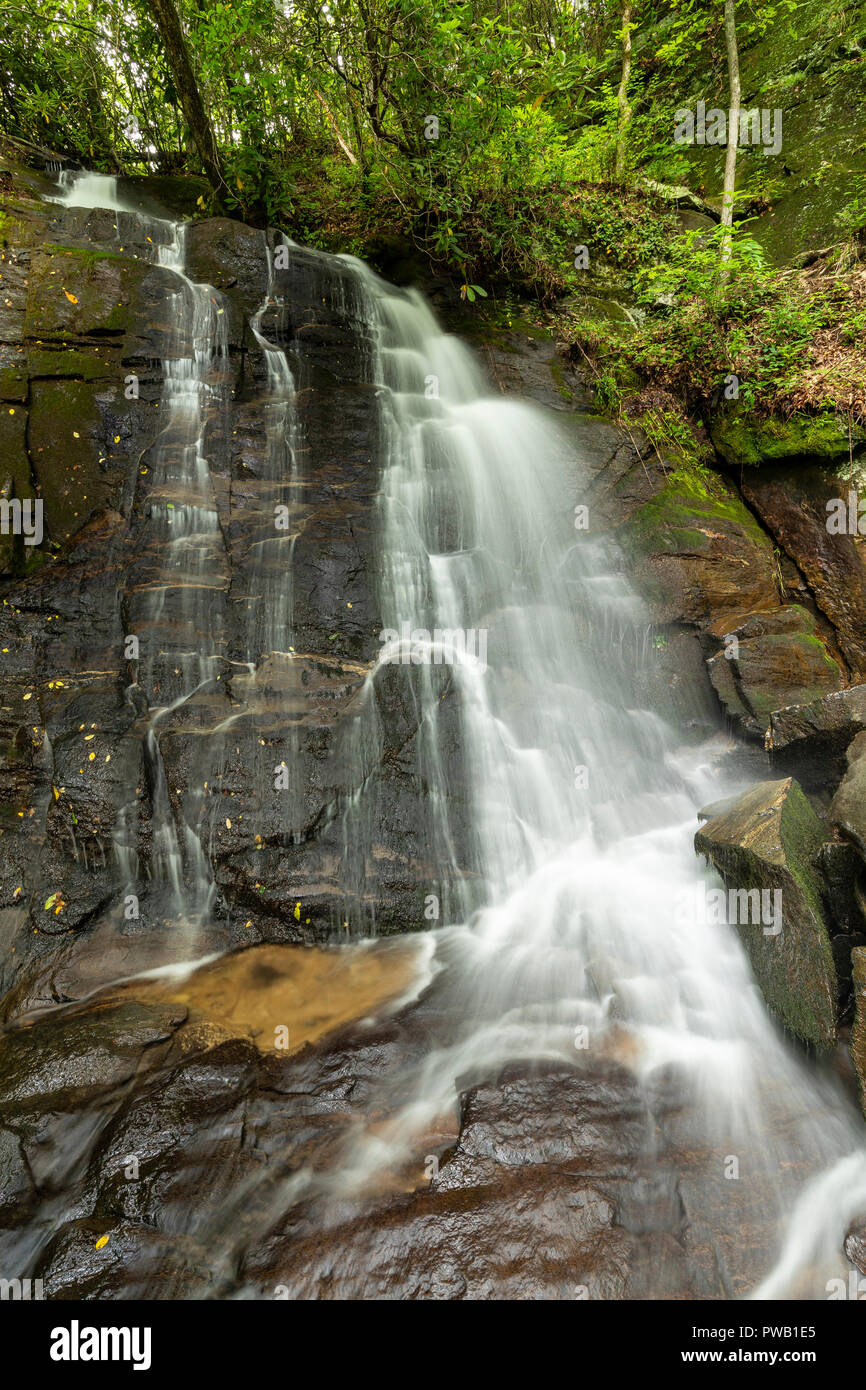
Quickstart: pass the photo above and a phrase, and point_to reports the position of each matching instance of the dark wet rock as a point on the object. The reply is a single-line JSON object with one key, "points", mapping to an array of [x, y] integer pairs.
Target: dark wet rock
{"points": [[16, 1184], [526, 362], [565, 1191], [82, 286], [766, 843], [207, 1161], [843, 885], [166, 195], [848, 808], [107, 1258], [72, 1058], [231, 257], [810, 740], [843, 948]]}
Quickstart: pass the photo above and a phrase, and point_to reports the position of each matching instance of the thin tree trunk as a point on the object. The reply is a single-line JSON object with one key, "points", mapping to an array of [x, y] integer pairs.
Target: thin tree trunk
{"points": [[336, 129], [180, 64], [623, 109], [733, 142]]}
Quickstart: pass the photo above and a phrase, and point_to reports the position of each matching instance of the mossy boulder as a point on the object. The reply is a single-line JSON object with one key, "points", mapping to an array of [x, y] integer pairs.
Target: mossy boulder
{"points": [[770, 659], [768, 840], [744, 439]]}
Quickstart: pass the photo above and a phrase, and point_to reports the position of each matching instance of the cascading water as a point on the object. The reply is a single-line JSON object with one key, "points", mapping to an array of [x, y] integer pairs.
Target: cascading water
{"points": [[569, 886], [175, 615], [585, 939]]}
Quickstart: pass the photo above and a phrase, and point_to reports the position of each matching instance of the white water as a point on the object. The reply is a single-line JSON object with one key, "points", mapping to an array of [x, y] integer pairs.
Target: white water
{"points": [[86, 190], [581, 865], [571, 909]]}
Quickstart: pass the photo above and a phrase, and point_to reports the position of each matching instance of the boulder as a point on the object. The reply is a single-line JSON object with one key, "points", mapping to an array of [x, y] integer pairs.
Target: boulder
{"points": [[699, 553], [810, 740], [767, 841], [778, 655]]}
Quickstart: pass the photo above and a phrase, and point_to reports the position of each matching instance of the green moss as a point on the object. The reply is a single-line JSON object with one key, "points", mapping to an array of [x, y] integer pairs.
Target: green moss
{"points": [[87, 255], [66, 362], [741, 438], [559, 380], [680, 515], [13, 384]]}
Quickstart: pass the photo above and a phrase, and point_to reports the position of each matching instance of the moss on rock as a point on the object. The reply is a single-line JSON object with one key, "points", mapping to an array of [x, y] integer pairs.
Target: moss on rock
{"points": [[742, 438]]}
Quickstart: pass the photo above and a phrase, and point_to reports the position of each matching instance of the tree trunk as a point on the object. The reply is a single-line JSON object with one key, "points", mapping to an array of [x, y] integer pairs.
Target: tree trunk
{"points": [[733, 141], [180, 65], [623, 109], [332, 121]]}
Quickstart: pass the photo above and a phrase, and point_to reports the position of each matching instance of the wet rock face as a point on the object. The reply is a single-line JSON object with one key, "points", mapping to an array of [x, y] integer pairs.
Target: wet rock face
{"points": [[709, 567], [848, 808], [792, 504], [91, 322]]}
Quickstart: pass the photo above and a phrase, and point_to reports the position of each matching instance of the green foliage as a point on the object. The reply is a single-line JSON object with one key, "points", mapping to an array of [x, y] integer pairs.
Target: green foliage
{"points": [[691, 264]]}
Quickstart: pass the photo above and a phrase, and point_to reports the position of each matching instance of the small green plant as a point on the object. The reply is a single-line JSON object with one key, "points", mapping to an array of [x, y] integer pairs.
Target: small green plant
{"points": [[607, 393]]}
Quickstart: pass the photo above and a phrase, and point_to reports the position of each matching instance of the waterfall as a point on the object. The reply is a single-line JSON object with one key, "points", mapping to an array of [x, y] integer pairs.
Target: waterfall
{"points": [[560, 814], [573, 928], [177, 614]]}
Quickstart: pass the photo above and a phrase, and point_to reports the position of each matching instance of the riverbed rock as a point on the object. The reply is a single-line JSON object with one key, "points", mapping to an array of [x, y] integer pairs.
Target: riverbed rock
{"points": [[767, 842]]}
